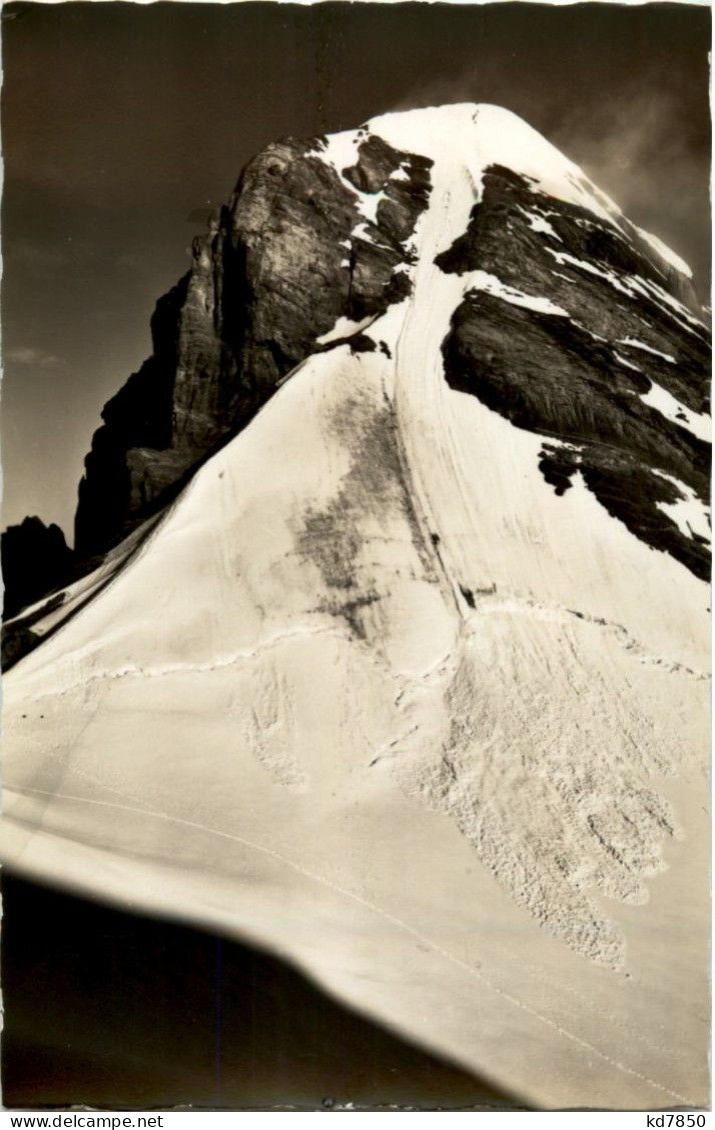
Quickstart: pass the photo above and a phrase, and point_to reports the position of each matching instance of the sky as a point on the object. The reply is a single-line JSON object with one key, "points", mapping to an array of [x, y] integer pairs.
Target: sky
{"points": [[124, 124]]}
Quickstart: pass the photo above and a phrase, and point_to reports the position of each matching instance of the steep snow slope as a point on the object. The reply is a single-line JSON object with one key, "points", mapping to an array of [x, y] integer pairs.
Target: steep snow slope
{"points": [[374, 695]]}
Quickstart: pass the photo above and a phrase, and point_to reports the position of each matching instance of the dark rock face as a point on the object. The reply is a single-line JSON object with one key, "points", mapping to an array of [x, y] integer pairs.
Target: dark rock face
{"points": [[578, 379], [289, 255], [35, 558]]}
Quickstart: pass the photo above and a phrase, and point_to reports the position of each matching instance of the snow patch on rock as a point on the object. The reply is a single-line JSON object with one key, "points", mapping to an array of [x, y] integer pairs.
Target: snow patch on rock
{"points": [[481, 280], [635, 344], [689, 513], [664, 402]]}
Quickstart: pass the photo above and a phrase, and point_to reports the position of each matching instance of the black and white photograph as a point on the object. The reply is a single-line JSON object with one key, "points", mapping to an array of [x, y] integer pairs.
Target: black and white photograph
{"points": [[356, 556]]}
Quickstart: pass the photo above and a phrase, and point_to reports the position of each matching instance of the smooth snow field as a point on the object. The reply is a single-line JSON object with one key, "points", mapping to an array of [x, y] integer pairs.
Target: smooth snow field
{"points": [[371, 696]]}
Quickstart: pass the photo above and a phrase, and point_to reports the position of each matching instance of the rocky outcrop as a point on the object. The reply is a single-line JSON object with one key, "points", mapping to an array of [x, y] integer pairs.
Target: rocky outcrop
{"points": [[35, 558], [595, 353], [294, 250]]}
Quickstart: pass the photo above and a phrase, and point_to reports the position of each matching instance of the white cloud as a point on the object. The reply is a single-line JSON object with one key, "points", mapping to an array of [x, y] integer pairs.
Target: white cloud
{"points": [[27, 355]]}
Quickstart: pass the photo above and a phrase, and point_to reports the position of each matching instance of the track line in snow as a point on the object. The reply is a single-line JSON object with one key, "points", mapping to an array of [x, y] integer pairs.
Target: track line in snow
{"points": [[405, 927], [168, 669]]}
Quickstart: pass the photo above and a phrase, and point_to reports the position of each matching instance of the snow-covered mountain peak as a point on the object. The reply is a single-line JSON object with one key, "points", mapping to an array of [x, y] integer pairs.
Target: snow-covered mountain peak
{"points": [[405, 672], [474, 136], [477, 136]]}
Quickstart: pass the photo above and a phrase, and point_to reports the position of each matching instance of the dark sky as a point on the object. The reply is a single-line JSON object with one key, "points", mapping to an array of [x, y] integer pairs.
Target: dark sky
{"points": [[121, 121]]}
